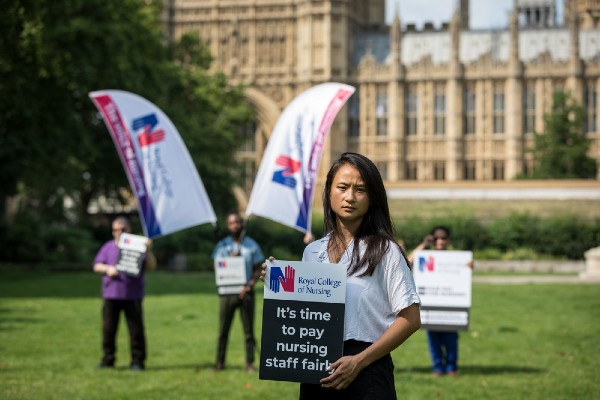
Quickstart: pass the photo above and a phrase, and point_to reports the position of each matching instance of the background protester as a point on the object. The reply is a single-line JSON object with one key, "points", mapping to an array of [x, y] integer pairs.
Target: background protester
{"points": [[122, 293], [443, 345], [234, 297]]}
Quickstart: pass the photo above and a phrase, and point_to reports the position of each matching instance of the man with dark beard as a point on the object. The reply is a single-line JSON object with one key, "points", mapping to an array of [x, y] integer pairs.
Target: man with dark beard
{"points": [[242, 297]]}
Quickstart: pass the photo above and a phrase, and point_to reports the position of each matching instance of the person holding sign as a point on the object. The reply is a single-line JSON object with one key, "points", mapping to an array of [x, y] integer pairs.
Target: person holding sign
{"points": [[122, 292], [382, 305], [236, 296], [443, 345]]}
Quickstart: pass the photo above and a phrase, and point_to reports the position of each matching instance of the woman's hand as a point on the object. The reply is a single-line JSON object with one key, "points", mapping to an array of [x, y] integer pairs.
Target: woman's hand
{"points": [[428, 241], [263, 271], [344, 372]]}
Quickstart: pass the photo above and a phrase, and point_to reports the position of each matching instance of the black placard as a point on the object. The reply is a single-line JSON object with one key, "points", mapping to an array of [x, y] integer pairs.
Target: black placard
{"points": [[300, 339]]}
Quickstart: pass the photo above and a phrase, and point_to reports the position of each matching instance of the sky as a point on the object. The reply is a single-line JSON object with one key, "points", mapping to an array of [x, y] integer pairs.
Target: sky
{"points": [[485, 14]]}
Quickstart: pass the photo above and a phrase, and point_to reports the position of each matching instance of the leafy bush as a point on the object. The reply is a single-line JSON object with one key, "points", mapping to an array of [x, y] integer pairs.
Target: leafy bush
{"points": [[20, 240], [488, 254], [68, 244], [199, 261], [518, 230], [518, 237], [466, 232], [566, 235]]}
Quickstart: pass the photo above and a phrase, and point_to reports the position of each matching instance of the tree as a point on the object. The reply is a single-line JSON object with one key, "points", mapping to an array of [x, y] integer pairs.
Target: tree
{"points": [[53, 143], [561, 151]]}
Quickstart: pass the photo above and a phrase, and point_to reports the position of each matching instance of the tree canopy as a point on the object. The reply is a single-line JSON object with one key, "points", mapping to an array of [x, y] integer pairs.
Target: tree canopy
{"points": [[560, 152], [52, 140]]}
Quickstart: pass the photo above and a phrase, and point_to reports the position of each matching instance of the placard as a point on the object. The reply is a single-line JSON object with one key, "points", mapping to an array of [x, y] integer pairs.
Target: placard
{"points": [[443, 279], [303, 320], [131, 251], [230, 271]]}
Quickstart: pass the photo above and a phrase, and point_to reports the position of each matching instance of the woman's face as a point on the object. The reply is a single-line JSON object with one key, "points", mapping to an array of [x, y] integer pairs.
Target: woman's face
{"points": [[440, 239], [348, 195]]}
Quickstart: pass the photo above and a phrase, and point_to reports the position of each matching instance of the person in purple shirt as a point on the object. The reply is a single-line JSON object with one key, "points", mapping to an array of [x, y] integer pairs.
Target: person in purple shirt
{"points": [[122, 292]]}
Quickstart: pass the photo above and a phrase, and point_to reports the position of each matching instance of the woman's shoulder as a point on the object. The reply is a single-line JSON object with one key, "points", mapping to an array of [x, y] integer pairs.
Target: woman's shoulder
{"points": [[313, 249], [316, 244], [394, 254]]}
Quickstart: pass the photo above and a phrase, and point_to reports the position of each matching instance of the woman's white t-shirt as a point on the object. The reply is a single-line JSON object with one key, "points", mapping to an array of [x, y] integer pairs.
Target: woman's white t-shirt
{"points": [[372, 302]]}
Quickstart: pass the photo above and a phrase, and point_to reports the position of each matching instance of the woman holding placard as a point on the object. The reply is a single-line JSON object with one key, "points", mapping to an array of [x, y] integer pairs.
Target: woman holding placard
{"points": [[382, 305], [443, 344]]}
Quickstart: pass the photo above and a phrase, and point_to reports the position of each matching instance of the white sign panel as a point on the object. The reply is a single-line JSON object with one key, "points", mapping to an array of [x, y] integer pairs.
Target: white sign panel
{"points": [[443, 277], [230, 271], [444, 317], [131, 250]]}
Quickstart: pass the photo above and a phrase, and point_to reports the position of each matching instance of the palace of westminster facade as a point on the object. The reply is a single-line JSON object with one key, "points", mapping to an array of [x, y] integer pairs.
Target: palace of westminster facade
{"points": [[445, 104]]}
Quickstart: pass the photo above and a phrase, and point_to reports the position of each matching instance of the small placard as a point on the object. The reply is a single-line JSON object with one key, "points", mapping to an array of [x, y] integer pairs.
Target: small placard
{"points": [[443, 280], [303, 320], [230, 271], [131, 251]]}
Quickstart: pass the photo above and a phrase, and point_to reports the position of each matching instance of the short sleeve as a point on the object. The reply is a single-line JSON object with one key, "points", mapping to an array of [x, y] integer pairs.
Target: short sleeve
{"points": [[400, 285]]}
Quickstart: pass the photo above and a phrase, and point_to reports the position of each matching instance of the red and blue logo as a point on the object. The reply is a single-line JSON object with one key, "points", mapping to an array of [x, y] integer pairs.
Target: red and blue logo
{"points": [[221, 264], [426, 264], [278, 279], [285, 176], [148, 135]]}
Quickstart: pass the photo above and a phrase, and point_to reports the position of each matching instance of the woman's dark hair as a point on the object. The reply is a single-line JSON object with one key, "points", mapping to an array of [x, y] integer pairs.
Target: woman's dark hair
{"points": [[441, 228], [376, 227]]}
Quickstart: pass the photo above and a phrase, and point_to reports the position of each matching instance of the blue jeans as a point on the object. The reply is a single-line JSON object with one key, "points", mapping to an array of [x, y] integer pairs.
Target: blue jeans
{"points": [[443, 348]]}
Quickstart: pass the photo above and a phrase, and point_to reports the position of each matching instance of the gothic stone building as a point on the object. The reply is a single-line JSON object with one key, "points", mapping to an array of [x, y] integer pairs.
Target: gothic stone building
{"points": [[445, 104]]}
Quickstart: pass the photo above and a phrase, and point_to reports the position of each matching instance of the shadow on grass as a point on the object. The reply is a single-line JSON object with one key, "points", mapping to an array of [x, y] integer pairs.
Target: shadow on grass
{"points": [[24, 284], [9, 323], [198, 368], [480, 370]]}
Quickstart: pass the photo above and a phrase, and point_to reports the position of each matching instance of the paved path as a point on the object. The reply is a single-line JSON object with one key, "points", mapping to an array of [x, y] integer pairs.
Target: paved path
{"points": [[520, 280]]}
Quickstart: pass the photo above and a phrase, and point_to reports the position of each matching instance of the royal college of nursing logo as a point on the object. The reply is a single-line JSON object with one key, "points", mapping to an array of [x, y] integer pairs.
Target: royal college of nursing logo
{"points": [[426, 264], [148, 135], [285, 176], [278, 279]]}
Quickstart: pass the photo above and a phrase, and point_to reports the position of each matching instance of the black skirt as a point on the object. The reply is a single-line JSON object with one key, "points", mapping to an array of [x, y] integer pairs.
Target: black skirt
{"points": [[375, 382]]}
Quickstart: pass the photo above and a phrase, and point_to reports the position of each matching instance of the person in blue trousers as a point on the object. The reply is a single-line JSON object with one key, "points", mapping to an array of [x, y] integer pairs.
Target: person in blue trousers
{"points": [[443, 346]]}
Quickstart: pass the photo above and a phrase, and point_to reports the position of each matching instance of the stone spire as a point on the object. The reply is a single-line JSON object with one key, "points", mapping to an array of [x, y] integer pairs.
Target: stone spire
{"points": [[574, 59], [464, 14], [396, 39], [455, 28], [514, 33]]}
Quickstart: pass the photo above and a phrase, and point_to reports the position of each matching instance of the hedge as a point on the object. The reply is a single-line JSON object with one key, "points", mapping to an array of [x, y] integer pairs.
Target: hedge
{"points": [[519, 235]]}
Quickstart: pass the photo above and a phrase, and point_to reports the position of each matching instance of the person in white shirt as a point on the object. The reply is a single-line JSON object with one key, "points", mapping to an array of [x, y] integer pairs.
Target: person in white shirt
{"points": [[382, 305]]}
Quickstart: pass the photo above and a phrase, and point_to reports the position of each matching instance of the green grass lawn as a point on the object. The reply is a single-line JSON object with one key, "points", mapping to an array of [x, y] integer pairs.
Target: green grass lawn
{"points": [[525, 342]]}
